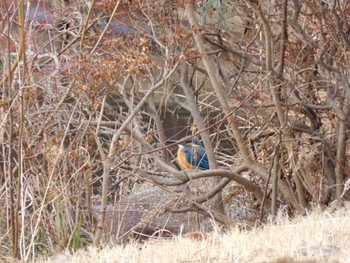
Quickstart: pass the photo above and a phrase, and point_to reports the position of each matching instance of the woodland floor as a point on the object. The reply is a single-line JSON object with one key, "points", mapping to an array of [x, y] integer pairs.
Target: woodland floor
{"points": [[315, 237]]}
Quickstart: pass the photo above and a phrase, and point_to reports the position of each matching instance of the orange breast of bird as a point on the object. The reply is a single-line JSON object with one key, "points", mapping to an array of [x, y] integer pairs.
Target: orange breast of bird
{"points": [[182, 159]]}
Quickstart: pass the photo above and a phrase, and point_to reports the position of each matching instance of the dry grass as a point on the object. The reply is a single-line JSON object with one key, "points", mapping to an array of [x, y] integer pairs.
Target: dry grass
{"points": [[318, 237]]}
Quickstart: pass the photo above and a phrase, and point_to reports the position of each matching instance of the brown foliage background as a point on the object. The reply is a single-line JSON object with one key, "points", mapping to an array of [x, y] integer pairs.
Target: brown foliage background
{"points": [[91, 91]]}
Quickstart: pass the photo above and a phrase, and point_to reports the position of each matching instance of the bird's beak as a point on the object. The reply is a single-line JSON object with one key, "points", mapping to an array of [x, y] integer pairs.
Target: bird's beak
{"points": [[172, 141]]}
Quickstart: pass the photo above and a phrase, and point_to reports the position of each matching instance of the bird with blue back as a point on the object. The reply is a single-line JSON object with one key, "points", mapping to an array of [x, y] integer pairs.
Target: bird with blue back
{"points": [[191, 154]]}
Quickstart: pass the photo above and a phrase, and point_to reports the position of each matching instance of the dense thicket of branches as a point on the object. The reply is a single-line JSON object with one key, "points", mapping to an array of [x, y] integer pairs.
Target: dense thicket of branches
{"points": [[91, 91]]}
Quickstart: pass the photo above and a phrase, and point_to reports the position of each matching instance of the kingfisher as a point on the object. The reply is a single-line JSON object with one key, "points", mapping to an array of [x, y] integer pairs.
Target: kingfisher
{"points": [[192, 155]]}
